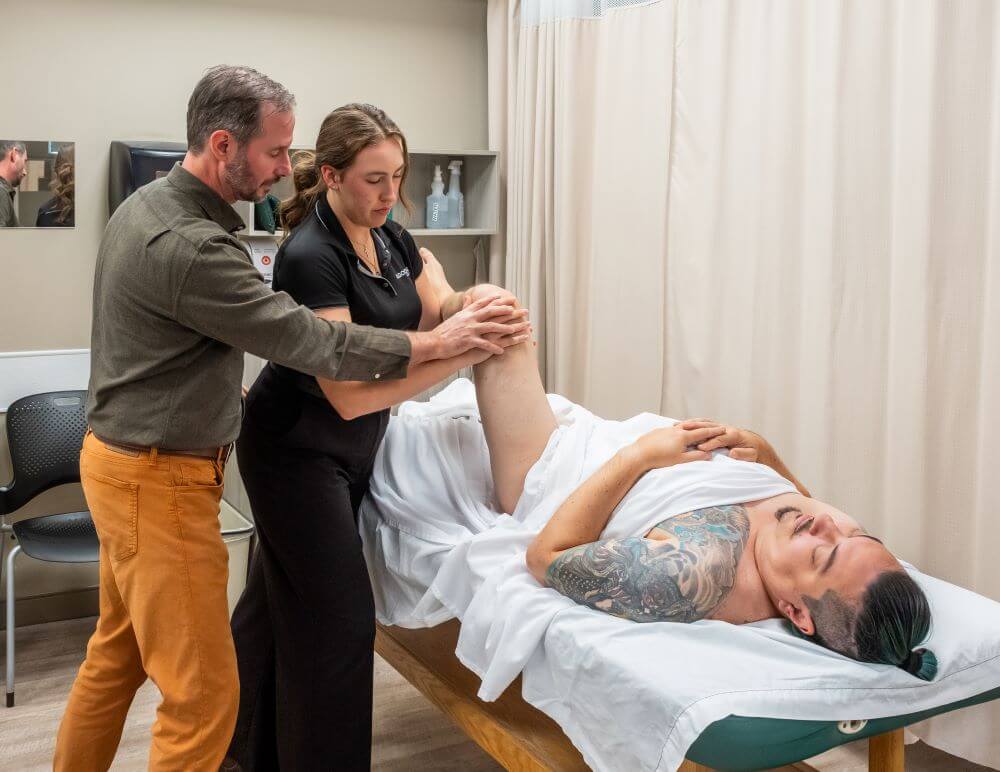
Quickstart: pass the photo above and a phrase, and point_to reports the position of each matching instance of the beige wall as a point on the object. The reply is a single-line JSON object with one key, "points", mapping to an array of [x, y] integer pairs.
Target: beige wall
{"points": [[92, 72]]}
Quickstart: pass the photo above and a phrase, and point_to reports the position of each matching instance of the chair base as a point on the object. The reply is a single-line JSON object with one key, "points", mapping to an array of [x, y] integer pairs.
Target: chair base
{"points": [[11, 628]]}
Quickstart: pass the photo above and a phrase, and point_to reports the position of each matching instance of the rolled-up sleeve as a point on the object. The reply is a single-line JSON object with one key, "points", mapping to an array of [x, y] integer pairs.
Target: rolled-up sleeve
{"points": [[224, 297]]}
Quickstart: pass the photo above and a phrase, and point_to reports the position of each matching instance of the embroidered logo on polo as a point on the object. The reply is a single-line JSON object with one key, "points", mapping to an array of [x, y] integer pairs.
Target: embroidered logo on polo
{"points": [[404, 272]]}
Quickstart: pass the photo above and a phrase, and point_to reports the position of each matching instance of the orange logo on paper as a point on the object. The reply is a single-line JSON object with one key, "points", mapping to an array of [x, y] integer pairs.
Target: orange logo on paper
{"points": [[266, 259]]}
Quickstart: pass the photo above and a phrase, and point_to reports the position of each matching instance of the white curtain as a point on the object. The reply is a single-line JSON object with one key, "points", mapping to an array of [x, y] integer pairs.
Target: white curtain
{"points": [[782, 214], [586, 170]]}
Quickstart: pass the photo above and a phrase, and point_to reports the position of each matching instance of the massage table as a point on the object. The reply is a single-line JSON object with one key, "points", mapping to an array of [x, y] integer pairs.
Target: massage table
{"points": [[631, 696], [521, 737]]}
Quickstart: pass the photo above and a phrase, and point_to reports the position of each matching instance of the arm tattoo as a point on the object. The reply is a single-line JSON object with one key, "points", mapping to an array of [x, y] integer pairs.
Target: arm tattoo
{"points": [[681, 579]]}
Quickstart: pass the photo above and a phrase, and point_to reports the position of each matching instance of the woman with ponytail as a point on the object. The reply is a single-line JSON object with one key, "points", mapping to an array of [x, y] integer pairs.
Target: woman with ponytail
{"points": [[305, 626], [59, 211]]}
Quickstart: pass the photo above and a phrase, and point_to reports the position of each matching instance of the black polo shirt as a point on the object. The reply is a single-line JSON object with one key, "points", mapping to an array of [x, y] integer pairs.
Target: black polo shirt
{"points": [[318, 266]]}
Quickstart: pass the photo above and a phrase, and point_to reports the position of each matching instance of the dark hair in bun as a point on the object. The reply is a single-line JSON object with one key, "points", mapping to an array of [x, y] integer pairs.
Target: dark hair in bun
{"points": [[892, 618], [921, 663]]}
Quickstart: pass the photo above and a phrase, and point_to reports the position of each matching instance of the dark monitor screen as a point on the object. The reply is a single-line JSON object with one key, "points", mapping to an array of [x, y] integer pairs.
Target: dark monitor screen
{"points": [[134, 164]]}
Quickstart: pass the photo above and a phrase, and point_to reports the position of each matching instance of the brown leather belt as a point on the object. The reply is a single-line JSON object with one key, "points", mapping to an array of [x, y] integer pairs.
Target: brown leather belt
{"points": [[220, 454]]}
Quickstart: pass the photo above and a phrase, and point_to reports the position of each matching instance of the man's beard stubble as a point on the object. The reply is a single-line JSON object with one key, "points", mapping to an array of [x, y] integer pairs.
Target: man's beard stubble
{"points": [[240, 179]]}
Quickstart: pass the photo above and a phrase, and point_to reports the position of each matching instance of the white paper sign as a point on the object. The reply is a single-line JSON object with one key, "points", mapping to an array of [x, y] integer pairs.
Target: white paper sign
{"points": [[262, 251]]}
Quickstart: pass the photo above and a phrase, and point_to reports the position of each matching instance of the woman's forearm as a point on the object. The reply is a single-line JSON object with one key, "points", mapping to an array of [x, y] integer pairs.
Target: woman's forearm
{"points": [[584, 515], [356, 398]]}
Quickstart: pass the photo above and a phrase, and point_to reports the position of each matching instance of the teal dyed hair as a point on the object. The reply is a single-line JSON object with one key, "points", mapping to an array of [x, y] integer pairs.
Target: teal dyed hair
{"points": [[892, 618], [895, 618]]}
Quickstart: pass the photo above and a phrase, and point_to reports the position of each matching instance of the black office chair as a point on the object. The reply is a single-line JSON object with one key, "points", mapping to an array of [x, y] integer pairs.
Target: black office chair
{"points": [[45, 433]]}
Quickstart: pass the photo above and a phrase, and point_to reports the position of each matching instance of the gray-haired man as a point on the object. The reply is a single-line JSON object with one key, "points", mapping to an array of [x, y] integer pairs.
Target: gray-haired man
{"points": [[13, 169], [176, 302]]}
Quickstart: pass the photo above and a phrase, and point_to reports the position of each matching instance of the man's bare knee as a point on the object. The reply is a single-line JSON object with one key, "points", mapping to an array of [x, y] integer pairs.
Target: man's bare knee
{"points": [[456, 302]]}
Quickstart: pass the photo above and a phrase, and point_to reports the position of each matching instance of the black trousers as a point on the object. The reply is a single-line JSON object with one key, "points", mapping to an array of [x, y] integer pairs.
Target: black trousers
{"points": [[304, 627]]}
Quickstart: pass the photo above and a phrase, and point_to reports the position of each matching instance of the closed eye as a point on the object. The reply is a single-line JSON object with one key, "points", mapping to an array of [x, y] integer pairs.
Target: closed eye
{"points": [[833, 552], [376, 178]]}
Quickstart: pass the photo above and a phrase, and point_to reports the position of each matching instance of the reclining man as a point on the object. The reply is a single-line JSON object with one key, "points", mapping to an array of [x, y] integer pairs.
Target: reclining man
{"points": [[780, 553]]}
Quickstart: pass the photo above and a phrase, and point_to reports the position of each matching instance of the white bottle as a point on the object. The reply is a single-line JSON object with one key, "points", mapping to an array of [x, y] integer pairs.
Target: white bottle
{"points": [[456, 201], [437, 202]]}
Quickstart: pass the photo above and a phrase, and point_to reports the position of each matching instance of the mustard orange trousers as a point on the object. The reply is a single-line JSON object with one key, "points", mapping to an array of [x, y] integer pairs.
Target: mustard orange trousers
{"points": [[163, 612]]}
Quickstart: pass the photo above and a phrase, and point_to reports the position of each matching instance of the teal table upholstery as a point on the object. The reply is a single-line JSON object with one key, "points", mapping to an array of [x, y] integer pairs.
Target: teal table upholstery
{"points": [[741, 744]]}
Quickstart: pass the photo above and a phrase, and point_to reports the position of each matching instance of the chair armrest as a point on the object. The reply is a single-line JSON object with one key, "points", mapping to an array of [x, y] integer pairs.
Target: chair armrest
{"points": [[3, 501]]}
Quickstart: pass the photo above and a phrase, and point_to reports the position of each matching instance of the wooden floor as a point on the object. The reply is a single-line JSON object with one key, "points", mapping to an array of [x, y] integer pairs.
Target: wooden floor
{"points": [[409, 732]]}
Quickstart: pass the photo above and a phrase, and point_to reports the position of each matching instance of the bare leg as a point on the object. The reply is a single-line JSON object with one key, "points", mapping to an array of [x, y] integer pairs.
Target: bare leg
{"points": [[516, 415]]}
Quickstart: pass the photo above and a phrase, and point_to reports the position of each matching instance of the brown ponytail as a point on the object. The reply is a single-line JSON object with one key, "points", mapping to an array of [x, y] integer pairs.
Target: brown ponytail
{"points": [[344, 133], [308, 184]]}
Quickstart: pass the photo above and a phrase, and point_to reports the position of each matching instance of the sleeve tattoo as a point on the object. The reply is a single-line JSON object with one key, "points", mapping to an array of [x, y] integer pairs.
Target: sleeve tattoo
{"points": [[680, 579]]}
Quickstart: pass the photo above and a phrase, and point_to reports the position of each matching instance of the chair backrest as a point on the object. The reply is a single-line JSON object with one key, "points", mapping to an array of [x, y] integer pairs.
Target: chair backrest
{"points": [[45, 434]]}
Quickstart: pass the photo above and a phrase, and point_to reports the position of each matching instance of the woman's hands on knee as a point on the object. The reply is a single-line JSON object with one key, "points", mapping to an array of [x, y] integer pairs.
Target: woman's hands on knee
{"points": [[489, 324], [459, 300], [517, 316], [478, 291]]}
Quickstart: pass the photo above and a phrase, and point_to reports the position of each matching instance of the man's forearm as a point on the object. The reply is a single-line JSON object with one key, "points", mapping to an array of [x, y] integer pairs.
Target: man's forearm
{"points": [[424, 346], [272, 325]]}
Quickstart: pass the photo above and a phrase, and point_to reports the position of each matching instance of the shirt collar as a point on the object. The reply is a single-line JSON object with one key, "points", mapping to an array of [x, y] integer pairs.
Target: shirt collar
{"points": [[211, 203], [333, 226], [6, 186]]}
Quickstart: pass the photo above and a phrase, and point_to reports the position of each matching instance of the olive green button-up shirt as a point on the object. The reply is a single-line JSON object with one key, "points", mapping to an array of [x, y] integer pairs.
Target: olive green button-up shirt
{"points": [[8, 212], [177, 301]]}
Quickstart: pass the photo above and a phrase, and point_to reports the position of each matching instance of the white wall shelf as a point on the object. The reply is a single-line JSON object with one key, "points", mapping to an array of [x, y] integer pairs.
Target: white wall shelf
{"points": [[434, 232], [480, 183]]}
